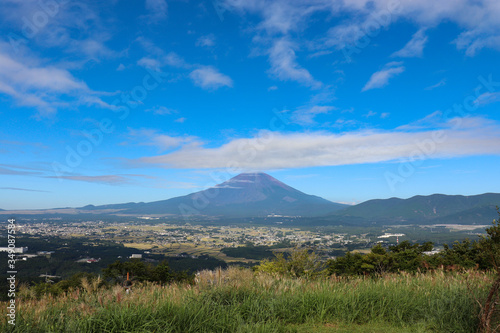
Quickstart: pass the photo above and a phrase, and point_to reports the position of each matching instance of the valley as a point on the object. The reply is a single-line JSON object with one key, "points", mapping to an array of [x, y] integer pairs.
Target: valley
{"points": [[177, 239]]}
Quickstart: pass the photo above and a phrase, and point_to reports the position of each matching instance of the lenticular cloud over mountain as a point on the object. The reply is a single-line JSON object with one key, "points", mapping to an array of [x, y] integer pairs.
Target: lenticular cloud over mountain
{"points": [[272, 150]]}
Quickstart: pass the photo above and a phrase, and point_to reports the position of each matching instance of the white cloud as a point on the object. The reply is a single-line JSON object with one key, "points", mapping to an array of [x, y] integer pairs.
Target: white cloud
{"points": [[11, 170], [487, 98], [46, 88], [279, 19], [437, 85], [273, 150], [104, 179], [479, 19], [157, 57], [22, 189], [174, 60], [157, 9], [161, 110], [73, 27], [74, 30], [150, 137], [162, 59], [433, 120], [94, 49], [38, 77], [415, 47], [342, 35], [206, 41], [381, 78], [475, 40], [208, 77], [284, 65], [149, 62], [305, 116], [167, 141]]}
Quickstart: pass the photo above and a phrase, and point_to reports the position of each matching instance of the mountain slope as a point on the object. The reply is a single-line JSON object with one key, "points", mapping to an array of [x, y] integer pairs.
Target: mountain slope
{"points": [[436, 208], [246, 195]]}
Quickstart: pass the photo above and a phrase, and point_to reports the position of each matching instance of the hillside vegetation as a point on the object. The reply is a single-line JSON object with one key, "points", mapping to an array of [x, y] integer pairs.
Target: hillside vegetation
{"points": [[239, 300], [399, 289], [436, 208]]}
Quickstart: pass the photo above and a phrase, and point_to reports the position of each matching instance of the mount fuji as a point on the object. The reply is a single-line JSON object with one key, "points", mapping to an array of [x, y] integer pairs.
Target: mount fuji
{"points": [[246, 195]]}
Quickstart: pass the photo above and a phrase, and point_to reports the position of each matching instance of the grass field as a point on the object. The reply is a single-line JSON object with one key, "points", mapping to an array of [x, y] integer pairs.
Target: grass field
{"points": [[237, 300]]}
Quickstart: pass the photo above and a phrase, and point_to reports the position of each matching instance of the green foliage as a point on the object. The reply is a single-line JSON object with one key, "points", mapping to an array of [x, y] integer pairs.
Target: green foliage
{"points": [[489, 316], [43, 288], [403, 303], [409, 257], [78, 281], [490, 243], [482, 254], [378, 261], [300, 263], [402, 257], [350, 264], [248, 252], [465, 254], [142, 272], [116, 273]]}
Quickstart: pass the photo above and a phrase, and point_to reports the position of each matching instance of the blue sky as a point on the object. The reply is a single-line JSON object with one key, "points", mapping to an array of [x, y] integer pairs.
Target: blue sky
{"points": [[119, 101]]}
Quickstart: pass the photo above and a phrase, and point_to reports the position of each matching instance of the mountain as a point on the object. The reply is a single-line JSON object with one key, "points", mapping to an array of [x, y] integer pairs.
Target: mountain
{"points": [[436, 208], [250, 195], [246, 195]]}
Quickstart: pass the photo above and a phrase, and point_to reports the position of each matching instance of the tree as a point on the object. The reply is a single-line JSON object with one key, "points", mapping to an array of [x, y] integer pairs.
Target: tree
{"points": [[300, 263], [350, 264], [118, 270], [491, 247], [141, 272], [378, 261], [162, 273], [409, 257]]}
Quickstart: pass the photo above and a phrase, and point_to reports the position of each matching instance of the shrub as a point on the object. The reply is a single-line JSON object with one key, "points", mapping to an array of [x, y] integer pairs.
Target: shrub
{"points": [[300, 263]]}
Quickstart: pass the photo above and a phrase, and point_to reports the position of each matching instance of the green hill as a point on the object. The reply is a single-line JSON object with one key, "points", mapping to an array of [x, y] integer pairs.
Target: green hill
{"points": [[436, 208]]}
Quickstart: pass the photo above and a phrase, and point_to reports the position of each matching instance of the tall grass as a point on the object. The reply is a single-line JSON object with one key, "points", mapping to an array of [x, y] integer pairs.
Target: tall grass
{"points": [[236, 300]]}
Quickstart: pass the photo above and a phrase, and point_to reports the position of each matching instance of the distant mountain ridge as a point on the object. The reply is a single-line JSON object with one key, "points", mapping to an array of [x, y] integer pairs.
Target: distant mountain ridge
{"points": [[438, 208], [246, 195], [250, 195]]}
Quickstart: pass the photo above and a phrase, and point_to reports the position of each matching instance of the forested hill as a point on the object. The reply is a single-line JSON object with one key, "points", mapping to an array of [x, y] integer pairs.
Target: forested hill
{"points": [[436, 208]]}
